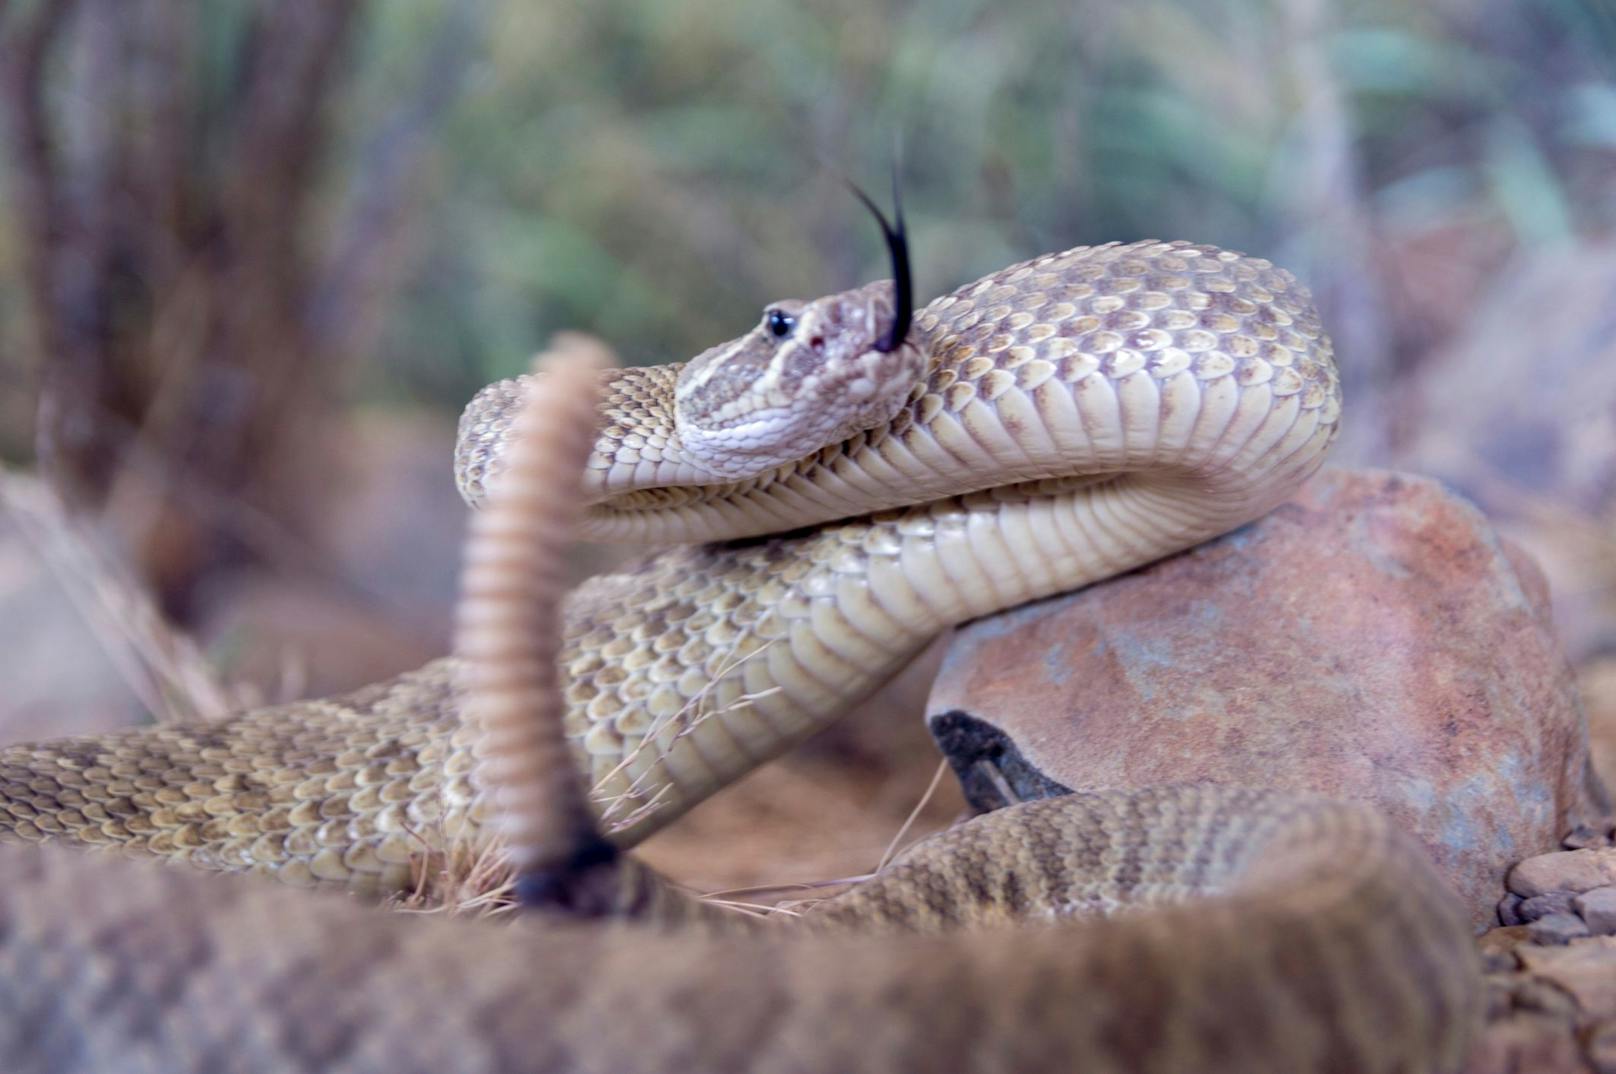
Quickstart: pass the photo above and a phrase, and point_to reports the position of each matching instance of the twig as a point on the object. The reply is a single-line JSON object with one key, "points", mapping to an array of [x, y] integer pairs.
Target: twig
{"points": [[931, 789]]}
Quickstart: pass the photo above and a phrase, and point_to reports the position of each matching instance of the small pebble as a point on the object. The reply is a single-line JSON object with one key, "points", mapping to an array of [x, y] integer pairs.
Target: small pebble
{"points": [[1564, 870], [1584, 836], [1553, 902], [1557, 929], [1598, 909]]}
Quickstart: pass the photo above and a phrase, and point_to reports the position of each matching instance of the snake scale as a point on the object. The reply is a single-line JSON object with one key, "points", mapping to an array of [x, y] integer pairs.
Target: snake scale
{"points": [[1048, 426]]}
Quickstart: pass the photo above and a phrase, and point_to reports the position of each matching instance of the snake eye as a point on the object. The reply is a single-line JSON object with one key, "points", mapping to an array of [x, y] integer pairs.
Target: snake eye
{"points": [[780, 323]]}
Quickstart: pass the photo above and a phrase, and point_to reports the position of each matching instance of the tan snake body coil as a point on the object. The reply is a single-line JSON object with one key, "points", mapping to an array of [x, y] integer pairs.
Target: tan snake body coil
{"points": [[1078, 415]]}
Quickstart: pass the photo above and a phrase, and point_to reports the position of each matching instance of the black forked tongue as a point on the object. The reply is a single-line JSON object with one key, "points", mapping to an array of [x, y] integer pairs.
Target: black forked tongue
{"points": [[902, 280]]}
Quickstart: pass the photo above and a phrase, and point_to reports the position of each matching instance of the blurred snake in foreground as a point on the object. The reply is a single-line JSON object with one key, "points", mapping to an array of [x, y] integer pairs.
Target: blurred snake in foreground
{"points": [[844, 482]]}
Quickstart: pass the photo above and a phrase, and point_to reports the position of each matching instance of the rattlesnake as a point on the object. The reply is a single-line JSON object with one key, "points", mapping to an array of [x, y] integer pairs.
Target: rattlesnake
{"points": [[1050, 425]]}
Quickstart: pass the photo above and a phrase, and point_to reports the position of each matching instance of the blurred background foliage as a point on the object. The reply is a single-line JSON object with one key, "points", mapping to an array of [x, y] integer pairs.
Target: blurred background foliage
{"points": [[655, 173], [238, 234], [256, 254]]}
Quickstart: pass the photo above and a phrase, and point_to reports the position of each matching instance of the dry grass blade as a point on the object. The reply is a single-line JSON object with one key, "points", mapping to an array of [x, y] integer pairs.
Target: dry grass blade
{"points": [[690, 716], [473, 879], [162, 666], [788, 908], [759, 898], [909, 821]]}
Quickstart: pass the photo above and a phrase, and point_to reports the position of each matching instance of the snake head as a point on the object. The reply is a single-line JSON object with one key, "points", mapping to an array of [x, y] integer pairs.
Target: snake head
{"points": [[809, 375]]}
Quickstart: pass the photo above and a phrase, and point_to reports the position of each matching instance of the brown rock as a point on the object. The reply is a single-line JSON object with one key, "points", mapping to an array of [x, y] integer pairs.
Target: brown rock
{"points": [[1539, 1043], [1370, 639], [1586, 969], [1586, 836], [1575, 871]]}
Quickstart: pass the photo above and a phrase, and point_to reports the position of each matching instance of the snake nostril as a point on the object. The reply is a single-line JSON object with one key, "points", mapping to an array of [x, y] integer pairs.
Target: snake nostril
{"points": [[817, 344]]}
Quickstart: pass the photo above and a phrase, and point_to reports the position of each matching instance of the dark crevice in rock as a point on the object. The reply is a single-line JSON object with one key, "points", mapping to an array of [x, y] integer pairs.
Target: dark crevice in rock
{"points": [[990, 769]]}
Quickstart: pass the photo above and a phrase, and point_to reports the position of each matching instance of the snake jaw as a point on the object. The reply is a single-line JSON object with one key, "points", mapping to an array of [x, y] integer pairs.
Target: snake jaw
{"points": [[811, 374]]}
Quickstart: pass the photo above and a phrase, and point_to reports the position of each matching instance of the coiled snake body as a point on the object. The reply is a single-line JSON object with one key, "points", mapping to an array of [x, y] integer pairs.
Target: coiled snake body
{"points": [[1048, 426]]}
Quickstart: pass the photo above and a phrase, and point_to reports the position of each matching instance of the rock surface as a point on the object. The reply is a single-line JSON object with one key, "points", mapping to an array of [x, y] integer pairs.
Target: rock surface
{"points": [[1371, 639]]}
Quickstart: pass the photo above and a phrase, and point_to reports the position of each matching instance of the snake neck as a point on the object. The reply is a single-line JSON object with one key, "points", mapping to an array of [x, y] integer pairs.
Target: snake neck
{"points": [[707, 661], [1081, 414]]}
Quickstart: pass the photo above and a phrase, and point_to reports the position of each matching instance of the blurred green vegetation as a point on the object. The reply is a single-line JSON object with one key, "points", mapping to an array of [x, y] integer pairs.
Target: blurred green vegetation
{"points": [[273, 213], [655, 172]]}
